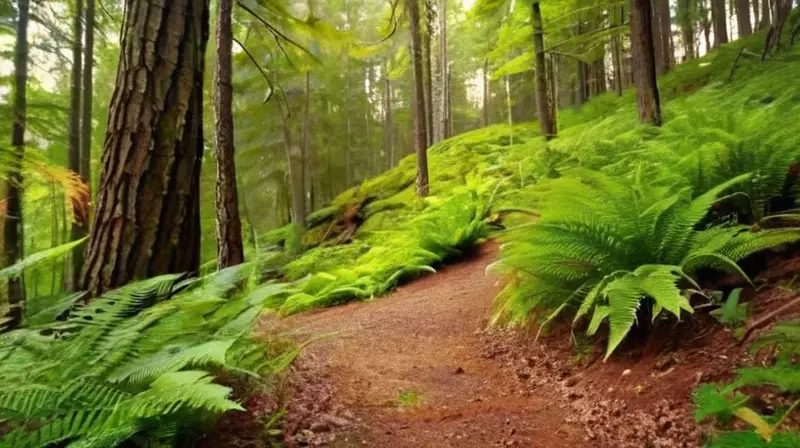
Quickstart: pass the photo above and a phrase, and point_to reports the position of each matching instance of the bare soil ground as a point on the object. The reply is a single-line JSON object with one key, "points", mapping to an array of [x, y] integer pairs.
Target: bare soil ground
{"points": [[412, 370], [419, 368]]}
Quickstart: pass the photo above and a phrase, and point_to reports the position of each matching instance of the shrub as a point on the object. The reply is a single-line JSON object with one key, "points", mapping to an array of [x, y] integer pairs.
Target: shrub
{"points": [[612, 248], [136, 362]]}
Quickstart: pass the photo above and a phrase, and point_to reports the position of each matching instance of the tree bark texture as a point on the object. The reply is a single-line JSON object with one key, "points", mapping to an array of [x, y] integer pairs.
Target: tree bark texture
{"points": [[74, 153], [644, 66], [546, 123], [88, 94], [147, 220], [686, 9], [81, 227], [420, 127], [230, 249], [766, 14], [444, 116], [705, 23], [719, 22], [427, 40], [13, 236], [665, 31], [743, 18]]}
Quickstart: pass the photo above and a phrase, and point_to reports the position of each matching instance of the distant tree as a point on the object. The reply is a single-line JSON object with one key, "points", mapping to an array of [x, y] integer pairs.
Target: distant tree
{"points": [[230, 250], [543, 109], [743, 17], [74, 158], [147, 220], [418, 105], [13, 238], [720, 23], [644, 66]]}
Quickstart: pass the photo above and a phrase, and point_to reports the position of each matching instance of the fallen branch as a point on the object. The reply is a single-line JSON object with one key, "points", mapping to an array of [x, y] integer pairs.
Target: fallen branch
{"points": [[735, 63], [767, 318]]}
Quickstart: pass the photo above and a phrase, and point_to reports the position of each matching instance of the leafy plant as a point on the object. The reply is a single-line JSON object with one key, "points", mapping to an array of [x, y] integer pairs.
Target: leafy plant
{"points": [[137, 361], [731, 312], [614, 249], [725, 401]]}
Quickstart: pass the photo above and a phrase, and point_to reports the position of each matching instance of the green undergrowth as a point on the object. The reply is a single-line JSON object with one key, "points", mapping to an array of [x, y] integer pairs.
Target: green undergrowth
{"points": [[664, 202], [743, 399], [150, 363]]}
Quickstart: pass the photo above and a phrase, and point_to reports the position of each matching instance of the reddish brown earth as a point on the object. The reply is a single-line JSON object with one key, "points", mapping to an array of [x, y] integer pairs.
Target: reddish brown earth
{"points": [[419, 368], [426, 343]]}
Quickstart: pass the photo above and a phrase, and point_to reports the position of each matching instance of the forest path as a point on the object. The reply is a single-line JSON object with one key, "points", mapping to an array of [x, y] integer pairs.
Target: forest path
{"points": [[412, 369]]}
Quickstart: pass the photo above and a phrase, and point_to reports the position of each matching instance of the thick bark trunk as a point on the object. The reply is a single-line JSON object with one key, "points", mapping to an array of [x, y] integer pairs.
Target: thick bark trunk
{"points": [[644, 63], [743, 18], [420, 127], [147, 220], [718, 19], [546, 123], [13, 237], [686, 22], [766, 14], [665, 30], [230, 250], [74, 154]]}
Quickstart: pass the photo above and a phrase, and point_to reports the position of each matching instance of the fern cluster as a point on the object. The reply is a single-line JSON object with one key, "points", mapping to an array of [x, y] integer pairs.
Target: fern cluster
{"points": [[616, 250], [724, 401], [135, 363], [445, 230]]}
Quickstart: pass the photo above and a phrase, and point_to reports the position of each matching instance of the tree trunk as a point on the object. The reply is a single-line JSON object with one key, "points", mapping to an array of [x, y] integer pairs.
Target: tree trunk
{"points": [[485, 106], [86, 120], [705, 23], [348, 169], [74, 152], [443, 71], [147, 220], [13, 237], [294, 160], [743, 18], [644, 66], [616, 51], [718, 19], [230, 250], [542, 97], [685, 19], [308, 158], [420, 127], [428, 72], [387, 117], [756, 13], [664, 29], [766, 14]]}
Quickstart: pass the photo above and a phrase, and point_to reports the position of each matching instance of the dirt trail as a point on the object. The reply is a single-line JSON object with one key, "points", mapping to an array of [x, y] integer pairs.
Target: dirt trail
{"points": [[411, 369]]}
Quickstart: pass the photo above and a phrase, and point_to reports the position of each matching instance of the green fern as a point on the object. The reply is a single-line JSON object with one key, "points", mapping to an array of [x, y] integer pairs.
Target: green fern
{"points": [[126, 363], [636, 244]]}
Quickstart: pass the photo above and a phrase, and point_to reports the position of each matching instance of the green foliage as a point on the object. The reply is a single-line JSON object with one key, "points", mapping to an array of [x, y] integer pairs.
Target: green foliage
{"points": [[725, 401], [132, 362], [731, 312], [620, 249]]}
